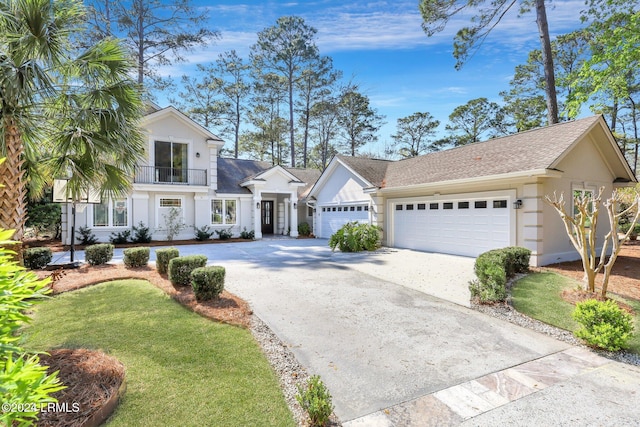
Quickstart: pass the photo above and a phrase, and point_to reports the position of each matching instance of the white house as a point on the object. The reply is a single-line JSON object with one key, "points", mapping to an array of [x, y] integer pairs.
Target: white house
{"points": [[183, 172], [478, 197]]}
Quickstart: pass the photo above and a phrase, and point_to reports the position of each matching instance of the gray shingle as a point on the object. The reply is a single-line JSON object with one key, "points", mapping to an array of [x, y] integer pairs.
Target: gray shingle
{"points": [[373, 170]]}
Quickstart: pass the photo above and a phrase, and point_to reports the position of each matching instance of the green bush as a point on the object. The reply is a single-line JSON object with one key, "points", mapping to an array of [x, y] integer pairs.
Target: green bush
{"points": [[180, 268], [24, 383], [99, 254], [120, 237], [141, 233], [136, 257], [304, 229], [356, 237], [247, 235], [604, 324], [44, 217], [224, 234], [86, 236], [494, 268], [163, 256], [208, 282], [36, 258], [316, 401], [203, 233]]}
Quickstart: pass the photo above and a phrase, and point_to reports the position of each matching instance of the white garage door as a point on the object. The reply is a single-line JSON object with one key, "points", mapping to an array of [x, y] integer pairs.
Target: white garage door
{"points": [[462, 227], [334, 217]]}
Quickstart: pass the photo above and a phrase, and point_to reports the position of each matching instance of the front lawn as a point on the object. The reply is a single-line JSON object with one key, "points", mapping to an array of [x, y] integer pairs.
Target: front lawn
{"points": [[538, 295], [181, 369]]}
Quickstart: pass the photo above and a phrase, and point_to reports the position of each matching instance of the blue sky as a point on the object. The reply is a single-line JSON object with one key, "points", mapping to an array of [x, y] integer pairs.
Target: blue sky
{"points": [[382, 46]]}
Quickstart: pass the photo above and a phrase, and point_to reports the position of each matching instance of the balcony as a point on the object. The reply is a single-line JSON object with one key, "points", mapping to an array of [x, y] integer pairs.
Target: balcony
{"points": [[171, 176]]}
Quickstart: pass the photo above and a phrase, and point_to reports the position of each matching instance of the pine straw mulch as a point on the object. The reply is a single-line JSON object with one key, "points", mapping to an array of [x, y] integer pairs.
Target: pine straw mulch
{"points": [[624, 279], [228, 308], [93, 378], [94, 382]]}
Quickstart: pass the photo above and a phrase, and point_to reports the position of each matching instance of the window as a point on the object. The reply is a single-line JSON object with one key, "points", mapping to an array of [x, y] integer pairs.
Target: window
{"points": [[433, 206], [333, 209], [447, 205], [366, 208], [499, 204], [410, 207], [422, 206], [480, 204], [223, 212], [324, 209], [170, 203], [111, 213], [359, 208], [339, 208], [579, 194], [352, 208], [463, 205], [171, 161], [398, 207], [309, 211]]}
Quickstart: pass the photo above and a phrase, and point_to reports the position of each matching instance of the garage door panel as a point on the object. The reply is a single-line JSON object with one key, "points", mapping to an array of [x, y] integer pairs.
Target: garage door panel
{"points": [[332, 220], [476, 228]]}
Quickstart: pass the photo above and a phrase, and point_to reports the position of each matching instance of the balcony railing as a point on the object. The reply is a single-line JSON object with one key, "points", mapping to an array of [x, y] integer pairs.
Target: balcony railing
{"points": [[173, 176]]}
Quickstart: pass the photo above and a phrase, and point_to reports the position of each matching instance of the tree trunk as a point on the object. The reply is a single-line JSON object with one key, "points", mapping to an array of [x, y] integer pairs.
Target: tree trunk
{"points": [[291, 133], [13, 211], [547, 59]]}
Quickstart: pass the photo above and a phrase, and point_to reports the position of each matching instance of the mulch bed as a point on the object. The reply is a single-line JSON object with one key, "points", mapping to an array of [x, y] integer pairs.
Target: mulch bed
{"points": [[93, 381]]}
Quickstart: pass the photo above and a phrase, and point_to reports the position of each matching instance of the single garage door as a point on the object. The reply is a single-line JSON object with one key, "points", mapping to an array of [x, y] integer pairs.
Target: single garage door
{"points": [[461, 227], [334, 217]]}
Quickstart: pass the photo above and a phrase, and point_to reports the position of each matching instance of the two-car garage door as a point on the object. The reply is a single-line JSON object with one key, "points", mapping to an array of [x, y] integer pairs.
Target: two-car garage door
{"points": [[454, 226]]}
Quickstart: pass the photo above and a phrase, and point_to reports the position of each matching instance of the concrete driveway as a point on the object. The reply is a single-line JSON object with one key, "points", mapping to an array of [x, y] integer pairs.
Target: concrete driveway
{"points": [[392, 354]]}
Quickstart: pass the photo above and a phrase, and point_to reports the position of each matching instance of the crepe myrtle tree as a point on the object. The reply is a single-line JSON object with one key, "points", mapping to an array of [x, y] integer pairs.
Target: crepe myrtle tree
{"points": [[581, 226]]}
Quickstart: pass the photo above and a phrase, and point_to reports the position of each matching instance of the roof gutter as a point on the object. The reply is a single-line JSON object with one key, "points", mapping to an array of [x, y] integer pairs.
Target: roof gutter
{"points": [[538, 173]]}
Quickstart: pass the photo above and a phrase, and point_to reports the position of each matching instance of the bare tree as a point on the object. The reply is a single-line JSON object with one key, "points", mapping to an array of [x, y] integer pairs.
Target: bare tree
{"points": [[581, 227]]}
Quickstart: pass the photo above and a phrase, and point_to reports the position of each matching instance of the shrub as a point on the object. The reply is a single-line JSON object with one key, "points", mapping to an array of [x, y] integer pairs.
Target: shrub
{"points": [[86, 236], [44, 217], [180, 268], [304, 229], [207, 282], [203, 233], [141, 233], [604, 324], [316, 401], [356, 237], [99, 254], [173, 223], [136, 257], [120, 237], [224, 234], [247, 235], [493, 268], [25, 383], [163, 256], [36, 258]]}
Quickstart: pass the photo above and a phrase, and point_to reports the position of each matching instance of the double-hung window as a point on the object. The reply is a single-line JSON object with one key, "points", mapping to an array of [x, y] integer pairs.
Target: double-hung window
{"points": [[223, 212], [111, 213]]}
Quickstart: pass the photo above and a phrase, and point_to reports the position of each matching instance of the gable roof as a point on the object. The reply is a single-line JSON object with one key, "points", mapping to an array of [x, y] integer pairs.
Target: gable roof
{"points": [[233, 172], [372, 170], [154, 115], [534, 151]]}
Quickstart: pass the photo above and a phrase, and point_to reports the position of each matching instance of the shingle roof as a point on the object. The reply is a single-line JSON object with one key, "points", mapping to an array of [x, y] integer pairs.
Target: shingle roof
{"points": [[233, 172], [530, 150], [373, 170]]}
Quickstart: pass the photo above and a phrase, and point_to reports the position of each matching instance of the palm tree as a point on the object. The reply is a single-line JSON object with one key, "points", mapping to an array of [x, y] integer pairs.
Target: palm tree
{"points": [[63, 112]]}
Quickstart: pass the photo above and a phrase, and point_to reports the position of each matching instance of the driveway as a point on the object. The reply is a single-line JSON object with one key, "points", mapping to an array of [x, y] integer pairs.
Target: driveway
{"points": [[392, 354]]}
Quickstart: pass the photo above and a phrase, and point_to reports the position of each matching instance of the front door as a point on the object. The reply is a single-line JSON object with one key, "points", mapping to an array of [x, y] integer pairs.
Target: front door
{"points": [[267, 216]]}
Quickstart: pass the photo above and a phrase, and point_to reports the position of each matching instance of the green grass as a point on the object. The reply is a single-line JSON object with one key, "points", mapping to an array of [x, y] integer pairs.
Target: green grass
{"points": [[538, 295], [181, 369]]}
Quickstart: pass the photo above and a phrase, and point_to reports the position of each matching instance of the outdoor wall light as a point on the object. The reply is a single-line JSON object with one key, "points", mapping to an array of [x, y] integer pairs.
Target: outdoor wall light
{"points": [[517, 204], [295, 205], [198, 155], [257, 205]]}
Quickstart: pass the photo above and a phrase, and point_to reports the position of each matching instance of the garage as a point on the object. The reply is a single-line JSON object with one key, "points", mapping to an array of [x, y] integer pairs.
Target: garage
{"points": [[461, 226], [334, 217]]}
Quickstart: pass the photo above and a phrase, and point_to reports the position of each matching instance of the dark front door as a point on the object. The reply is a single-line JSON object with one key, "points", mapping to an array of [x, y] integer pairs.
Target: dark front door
{"points": [[267, 217]]}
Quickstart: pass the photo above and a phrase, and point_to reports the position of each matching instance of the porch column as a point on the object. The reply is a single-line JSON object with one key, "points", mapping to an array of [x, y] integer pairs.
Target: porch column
{"points": [[286, 222], [257, 214], [294, 215]]}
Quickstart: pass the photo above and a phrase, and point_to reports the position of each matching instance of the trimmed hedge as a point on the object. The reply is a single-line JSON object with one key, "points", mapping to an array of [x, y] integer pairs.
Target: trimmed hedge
{"points": [[604, 324], [136, 257], [180, 268], [356, 237], [36, 258], [99, 254], [208, 282], [163, 256], [494, 268]]}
